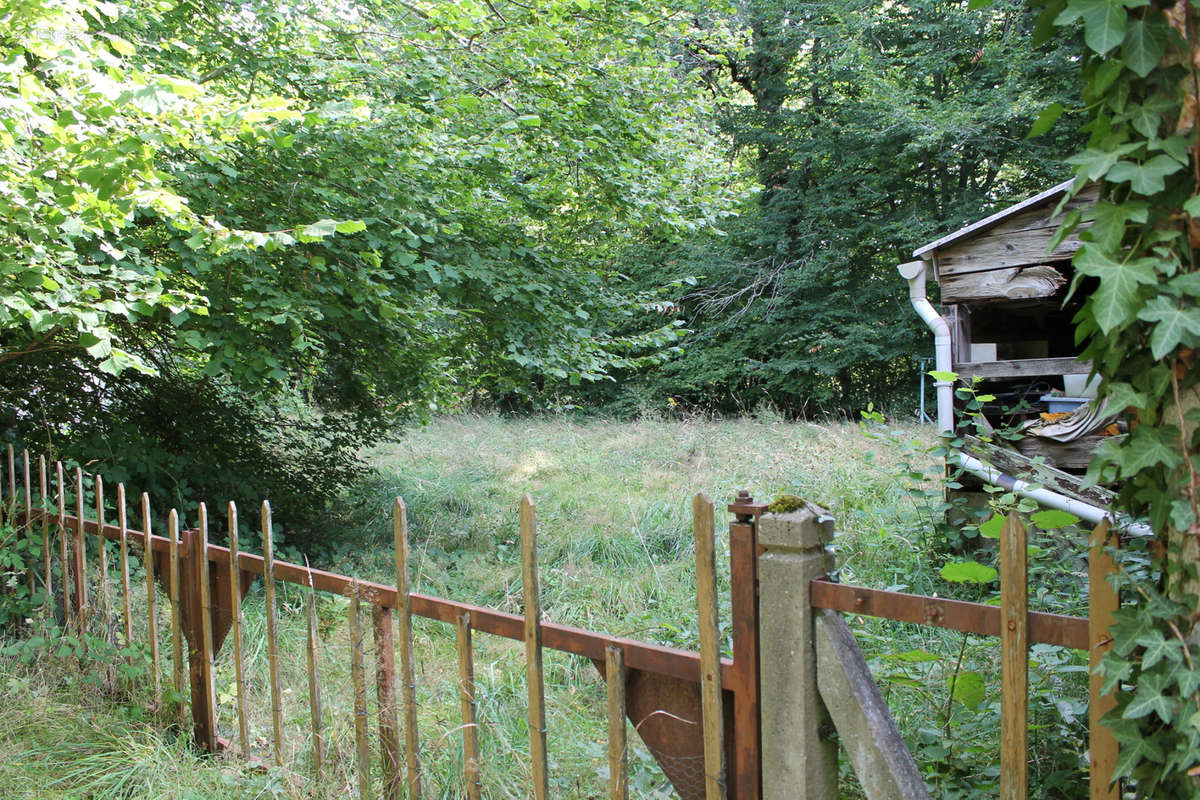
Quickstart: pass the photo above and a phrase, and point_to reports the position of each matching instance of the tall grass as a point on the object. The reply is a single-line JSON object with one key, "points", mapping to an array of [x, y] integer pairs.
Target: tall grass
{"points": [[613, 504]]}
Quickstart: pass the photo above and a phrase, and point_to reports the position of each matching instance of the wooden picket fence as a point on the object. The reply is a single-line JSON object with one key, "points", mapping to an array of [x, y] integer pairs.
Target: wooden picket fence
{"points": [[696, 711], [1017, 627]]}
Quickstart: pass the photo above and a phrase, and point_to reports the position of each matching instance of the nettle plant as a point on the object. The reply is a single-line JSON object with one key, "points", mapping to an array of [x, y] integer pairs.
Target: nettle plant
{"points": [[1141, 325]]}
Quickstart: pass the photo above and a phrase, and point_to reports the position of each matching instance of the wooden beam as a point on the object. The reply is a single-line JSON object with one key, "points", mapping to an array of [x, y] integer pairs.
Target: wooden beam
{"points": [[990, 250], [1021, 368], [1013, 283]]}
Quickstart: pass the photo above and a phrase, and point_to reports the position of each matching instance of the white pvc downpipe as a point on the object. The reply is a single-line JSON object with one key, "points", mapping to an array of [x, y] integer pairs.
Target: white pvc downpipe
{"points": [[914, 273]]}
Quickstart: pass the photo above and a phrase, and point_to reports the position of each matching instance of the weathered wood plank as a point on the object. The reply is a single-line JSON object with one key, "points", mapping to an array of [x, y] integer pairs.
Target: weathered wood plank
{"points": [[1021, 368], [614, 675], [176, 616], [1044, 217], [314, 685], [1103, 602], [1044, 203], [362, 752], [1075, 454], [990, 251], [466, 695], [385, 695], [1014, 661], [64, 557], [47, 556], [30, 572], [710, 639], [1021, 466], [80, 552], [204, 695], [151, 612], [881, 760], [235, 623], [123, 551], [408, 679], [941, 612], [533, 651], [268, 545], [101, 550], [1012, 283]]}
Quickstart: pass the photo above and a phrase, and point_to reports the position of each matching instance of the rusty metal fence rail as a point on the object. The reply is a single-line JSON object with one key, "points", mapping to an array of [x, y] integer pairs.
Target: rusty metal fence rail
{"points": [[1018, 628], [696, 712]]}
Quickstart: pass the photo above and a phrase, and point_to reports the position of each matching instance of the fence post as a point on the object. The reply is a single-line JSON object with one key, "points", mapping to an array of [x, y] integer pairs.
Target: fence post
{"points": [[1103, 601], [1014, 661], [799, 759], [745, 772]]}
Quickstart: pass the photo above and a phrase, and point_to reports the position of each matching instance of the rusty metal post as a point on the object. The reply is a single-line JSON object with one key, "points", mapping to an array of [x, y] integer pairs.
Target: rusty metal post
{"points": [[745, 779]]}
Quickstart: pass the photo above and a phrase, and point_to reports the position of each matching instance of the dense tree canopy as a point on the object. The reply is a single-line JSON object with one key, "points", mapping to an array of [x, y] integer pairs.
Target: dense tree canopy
{"points": [[263, 235], [867, 129], [302, 221]]}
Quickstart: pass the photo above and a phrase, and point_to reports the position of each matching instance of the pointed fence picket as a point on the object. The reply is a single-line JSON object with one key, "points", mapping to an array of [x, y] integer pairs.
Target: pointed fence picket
{"points": [[205, 585]]}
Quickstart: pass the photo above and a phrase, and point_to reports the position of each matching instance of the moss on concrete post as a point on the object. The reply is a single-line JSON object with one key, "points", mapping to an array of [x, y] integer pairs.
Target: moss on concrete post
{"points": [[799, 756]]}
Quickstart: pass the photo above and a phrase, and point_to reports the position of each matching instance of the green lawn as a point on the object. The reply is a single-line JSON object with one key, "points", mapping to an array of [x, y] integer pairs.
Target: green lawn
{"points": [[615, 545]]}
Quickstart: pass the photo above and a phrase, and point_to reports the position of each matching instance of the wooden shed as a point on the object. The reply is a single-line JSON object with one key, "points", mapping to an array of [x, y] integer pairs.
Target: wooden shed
{"points": [[1004, 297]]}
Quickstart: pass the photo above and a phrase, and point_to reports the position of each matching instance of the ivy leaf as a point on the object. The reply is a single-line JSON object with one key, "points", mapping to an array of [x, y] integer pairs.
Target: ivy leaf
{"points": [[1174, 325], [1188, 283], [1109, 221], [1128, 626], [1148, 447], [1133, 752], [1145, 43], [1151, 698], [1123, 395], [1115, 300], [1094, 162], [968, 572], [1145, 178], [1157, 647], [1103, 22]]}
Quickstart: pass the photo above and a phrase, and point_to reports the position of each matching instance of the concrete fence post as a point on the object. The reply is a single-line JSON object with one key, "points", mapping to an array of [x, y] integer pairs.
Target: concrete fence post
{"points": [[799, 753]]}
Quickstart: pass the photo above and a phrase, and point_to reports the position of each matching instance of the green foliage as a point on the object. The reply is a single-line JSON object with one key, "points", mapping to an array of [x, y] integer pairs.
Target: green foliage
{"points": [[968, 572], [1141, 324], [18, 552], [310, 228], [864, 130]]}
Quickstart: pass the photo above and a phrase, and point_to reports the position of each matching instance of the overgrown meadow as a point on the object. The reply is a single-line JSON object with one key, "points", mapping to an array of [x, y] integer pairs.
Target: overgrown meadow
{"points": [[613, 506]]}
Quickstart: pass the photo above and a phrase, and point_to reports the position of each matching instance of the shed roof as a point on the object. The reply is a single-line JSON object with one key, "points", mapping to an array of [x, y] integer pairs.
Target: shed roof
{"points": [[994, 219]]}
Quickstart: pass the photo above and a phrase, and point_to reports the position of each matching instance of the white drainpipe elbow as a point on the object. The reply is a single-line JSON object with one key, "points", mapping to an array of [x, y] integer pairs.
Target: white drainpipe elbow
{"points": [[914, 273]]}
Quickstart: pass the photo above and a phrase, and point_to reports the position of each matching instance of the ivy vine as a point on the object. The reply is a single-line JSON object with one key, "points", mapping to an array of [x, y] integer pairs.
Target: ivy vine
{"points": [[1141, 326]]}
